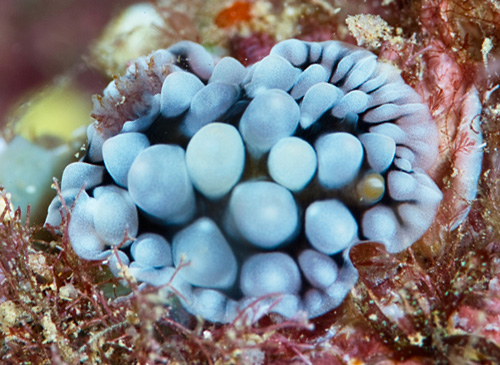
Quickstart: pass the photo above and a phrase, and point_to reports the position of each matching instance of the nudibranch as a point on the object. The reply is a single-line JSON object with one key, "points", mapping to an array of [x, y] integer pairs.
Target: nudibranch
{"points": [[237, 183]]}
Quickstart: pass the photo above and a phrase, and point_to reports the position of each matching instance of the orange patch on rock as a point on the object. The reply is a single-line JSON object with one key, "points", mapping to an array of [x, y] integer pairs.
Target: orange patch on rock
{"points": [[238, 12]]}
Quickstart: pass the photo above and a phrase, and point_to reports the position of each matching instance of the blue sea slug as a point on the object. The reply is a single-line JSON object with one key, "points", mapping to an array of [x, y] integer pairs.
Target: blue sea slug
{"points": [[258, 180]]}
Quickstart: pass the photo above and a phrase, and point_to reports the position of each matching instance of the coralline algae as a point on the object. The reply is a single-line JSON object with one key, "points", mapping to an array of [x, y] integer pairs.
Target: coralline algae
{"points": [[247, 183]]}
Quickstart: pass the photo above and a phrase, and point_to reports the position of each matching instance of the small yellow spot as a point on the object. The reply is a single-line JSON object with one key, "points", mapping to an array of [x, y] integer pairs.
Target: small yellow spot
{"points": [[356, 362], [371, 188]]}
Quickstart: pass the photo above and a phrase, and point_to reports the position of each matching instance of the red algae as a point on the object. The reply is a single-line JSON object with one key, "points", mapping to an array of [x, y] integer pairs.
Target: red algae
{"points": [[457, 110], [249, 50]]}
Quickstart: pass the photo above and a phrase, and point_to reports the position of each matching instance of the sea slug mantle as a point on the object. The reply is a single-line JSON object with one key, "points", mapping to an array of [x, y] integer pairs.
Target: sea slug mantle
{"points": [[258, 180]]}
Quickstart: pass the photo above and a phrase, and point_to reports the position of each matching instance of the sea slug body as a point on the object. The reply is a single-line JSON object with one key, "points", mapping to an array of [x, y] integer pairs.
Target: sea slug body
{"points": [[258, 180]]}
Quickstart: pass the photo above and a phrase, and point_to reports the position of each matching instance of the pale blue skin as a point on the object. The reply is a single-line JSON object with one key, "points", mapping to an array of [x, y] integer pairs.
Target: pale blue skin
{"points": [[159, 175], [209, 258], [319, 98], [339, 159], [271, 116], [272, 208], [80, 174], [215, 159], [272, 73], [269, 273], [228, 70], [380, 150], [86, 242], [274, 212], [120, 151], [330, 226], [311, 76], [208, 105], [319, 269], [115, 218], [151, 250], [292, 163]]}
